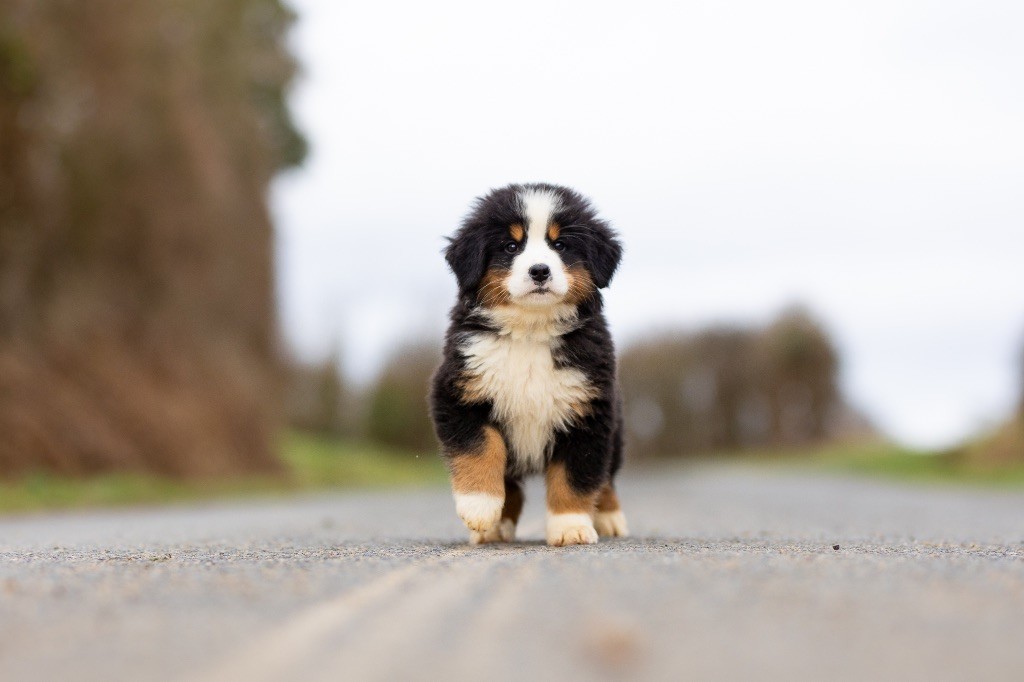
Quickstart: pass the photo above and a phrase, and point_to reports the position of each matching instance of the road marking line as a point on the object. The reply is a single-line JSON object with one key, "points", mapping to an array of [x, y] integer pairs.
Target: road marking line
{"points": [[405, 632], [274, 653]]}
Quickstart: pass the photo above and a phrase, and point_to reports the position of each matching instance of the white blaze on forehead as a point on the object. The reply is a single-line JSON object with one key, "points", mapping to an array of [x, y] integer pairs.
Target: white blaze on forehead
{"points": [[538, 206]]}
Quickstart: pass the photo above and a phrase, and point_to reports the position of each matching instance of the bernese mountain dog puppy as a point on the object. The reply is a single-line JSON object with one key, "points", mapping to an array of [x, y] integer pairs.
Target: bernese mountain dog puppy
{"points": [[528, 382]]}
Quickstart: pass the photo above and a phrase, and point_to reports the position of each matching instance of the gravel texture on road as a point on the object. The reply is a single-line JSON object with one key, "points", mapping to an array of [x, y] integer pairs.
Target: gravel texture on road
{"points": [[732, 573]]}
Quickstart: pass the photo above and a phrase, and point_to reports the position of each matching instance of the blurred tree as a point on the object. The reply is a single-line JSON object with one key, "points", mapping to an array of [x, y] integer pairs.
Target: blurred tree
{"points": [[318, 399], [728, 388], [799, 368], [1004, 446], [682, 391], [1020, 383], [397, 406], [137, 140]]}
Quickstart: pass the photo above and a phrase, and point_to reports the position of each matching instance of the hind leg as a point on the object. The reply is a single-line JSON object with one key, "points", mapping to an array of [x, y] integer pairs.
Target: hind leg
{"points": [[579, 466], [608, 517], [505, 529]]}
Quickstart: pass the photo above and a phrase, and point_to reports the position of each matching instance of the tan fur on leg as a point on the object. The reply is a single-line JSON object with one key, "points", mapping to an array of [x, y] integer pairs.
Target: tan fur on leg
{"points": [[570, 513], [478, 483]]}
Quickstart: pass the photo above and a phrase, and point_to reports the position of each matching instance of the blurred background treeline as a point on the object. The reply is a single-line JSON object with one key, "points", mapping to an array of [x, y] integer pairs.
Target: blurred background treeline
{"points": [[138, 323], [715, 390]]}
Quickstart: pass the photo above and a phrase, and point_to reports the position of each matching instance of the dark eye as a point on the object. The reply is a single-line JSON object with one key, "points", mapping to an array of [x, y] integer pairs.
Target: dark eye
{"points": [[511, 247], [559, 246]]}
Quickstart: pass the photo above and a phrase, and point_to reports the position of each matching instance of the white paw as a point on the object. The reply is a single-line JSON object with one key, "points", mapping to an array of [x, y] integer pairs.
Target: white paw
{"points": [[570, 529], [611, 524], [479, 511], [504, 531]]}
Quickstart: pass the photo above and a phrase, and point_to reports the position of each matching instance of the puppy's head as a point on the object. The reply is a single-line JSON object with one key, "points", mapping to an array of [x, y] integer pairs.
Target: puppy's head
{"points": [[533, 245]]}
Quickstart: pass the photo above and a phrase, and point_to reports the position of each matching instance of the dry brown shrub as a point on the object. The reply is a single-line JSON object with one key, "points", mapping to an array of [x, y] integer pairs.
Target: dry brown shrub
{"points": [[1006, 445]]}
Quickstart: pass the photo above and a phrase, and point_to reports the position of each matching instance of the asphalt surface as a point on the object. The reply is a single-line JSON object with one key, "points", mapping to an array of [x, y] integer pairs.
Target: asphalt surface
{"points": [[732, 573]]}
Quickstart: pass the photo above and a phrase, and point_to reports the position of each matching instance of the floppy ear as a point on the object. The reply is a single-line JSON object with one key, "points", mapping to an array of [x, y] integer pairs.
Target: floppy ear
{"points": [[605, 254], [467, 257]]}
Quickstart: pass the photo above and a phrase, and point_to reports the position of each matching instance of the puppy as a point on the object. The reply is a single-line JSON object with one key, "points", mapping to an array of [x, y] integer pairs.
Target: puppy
{"points": [[528, 380]]}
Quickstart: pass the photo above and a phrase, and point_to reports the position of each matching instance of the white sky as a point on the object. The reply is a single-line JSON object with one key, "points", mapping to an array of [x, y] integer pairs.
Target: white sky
{"points": [[864, 158]]}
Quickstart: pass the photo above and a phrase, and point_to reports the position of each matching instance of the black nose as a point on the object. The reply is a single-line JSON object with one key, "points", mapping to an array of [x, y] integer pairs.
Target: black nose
{"points": [[540, 273]]}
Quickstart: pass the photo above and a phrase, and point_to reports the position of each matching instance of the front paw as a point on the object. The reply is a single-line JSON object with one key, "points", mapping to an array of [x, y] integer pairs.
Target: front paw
{"points": [[479, 511], [570, 529], [503, 531]]}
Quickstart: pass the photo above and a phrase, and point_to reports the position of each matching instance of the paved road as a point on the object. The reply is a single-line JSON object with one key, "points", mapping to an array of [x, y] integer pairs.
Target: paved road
{"points": [[731, 575]]}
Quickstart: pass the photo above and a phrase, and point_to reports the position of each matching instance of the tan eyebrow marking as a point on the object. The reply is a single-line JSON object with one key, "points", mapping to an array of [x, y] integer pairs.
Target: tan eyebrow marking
{"points": [[517, 232], [553, 231]]}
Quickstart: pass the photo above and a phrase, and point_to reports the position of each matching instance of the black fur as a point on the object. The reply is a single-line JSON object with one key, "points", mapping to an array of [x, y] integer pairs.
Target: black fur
{"points": [[591, 447]]}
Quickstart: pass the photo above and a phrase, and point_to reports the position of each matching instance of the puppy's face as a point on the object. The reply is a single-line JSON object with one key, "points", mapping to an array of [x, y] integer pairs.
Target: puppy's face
{"points": [[534, 264], [533, 246]]}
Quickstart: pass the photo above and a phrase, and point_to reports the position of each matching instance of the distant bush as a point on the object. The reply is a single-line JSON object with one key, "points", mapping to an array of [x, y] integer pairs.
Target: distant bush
{"points": [[1020, 375], [317, 398], [1006, 445], [397, 412], [728, 388]]}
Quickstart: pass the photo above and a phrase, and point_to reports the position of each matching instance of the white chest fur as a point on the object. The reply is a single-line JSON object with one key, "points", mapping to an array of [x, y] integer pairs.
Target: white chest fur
{"points": [[532, 397]]}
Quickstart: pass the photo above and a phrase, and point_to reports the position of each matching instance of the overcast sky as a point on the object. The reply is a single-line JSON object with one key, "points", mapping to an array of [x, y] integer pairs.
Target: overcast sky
{"points": [[864, 158]]}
